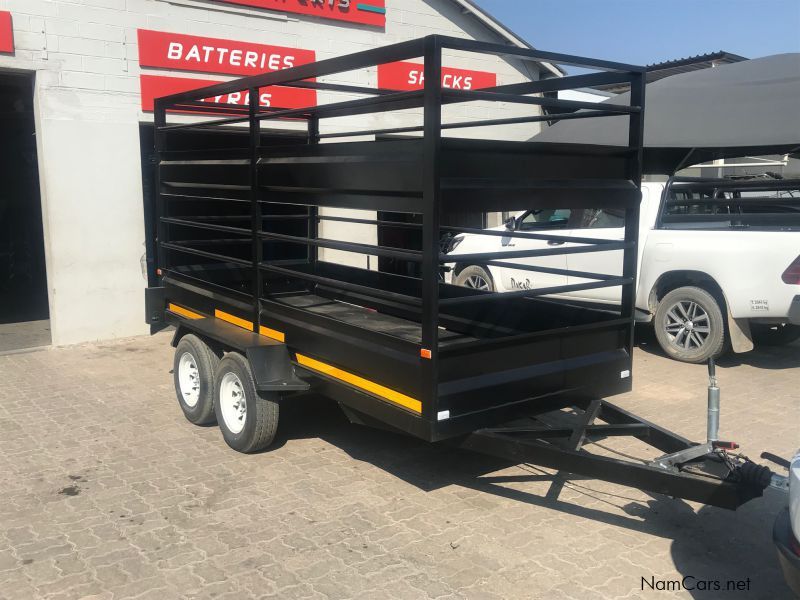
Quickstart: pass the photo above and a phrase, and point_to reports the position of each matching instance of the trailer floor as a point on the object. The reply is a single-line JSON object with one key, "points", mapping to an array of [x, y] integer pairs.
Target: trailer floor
{"points": [[106, 490], [368, 319]]}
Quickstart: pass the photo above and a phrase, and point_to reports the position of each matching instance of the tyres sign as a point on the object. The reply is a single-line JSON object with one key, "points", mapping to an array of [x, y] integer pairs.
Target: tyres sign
{"points": [[157, 86]]}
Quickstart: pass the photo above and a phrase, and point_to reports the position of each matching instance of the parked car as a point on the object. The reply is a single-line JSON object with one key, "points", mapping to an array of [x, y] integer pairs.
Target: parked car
{"points": [[719, 262], [786, 531]]}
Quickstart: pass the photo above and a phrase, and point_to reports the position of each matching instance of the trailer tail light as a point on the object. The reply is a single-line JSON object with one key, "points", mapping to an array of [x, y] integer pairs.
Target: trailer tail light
{"points": [[792, 274]]}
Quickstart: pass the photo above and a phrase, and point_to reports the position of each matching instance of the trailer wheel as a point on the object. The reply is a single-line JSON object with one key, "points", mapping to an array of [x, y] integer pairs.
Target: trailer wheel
{"points": [[475, 277], [248, 419], [689, 325], [193, 374]]}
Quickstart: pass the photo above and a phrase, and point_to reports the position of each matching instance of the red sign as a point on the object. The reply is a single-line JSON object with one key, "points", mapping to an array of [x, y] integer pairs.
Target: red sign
{"points": [[211, 55], [156, 86], [6, 33], [366, 12], [411, 76]]}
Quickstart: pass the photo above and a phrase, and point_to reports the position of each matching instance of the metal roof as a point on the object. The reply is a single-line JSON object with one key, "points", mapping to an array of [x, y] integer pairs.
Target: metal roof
{"points": [[748, 108], [664, 69]]}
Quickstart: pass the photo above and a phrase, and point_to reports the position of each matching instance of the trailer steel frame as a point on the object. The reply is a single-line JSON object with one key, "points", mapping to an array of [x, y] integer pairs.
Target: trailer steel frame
{"points": [[411, 353]]}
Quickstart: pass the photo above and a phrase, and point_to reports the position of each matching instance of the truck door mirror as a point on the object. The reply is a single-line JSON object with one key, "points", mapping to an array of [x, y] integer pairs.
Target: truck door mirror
{"points": [[510, 223]]}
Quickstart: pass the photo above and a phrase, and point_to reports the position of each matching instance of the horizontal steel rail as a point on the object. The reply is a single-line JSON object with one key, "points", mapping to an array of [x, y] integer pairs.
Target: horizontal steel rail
{"points": [[545, 291], [471, 95], [277, 217], [204, 254], [342, 285], [410, 255], [401, 100], [488, 343], [531, 236], [570, 82], [471, 230], [481, 257], [589, 114], [209, 226], [369, 222], [551, 270], [205, 284], [190, 198]]}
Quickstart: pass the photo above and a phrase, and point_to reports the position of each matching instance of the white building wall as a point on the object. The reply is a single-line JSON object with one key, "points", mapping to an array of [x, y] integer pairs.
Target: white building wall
{"points": [[85, 56]]}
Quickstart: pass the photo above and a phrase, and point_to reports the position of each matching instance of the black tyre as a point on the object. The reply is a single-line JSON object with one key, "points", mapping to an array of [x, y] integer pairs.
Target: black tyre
{"points": [[193, 374], [248, 420], [689, 325], [475, 277], [774, 335]]}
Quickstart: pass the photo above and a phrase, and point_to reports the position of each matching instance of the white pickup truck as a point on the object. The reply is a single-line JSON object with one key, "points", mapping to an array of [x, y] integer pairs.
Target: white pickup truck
{"points": [[718, 262]]}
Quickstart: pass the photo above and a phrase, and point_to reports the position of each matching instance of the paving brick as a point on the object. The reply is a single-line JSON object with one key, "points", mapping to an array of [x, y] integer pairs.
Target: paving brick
{"points": [[109, 493]]}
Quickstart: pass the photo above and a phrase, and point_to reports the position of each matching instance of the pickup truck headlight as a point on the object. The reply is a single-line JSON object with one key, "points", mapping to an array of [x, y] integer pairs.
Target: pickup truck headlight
{"points": [[453, 243]]}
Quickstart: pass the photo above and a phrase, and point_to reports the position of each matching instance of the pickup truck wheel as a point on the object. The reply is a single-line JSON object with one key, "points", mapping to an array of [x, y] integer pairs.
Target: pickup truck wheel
{"points": [[248, 419], [193, 374], [774, 335], [475, 277], [689, 325]]}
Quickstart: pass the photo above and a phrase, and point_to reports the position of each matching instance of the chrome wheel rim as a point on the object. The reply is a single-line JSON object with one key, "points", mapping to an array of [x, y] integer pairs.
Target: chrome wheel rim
{"points": [[189, 379], [476, 282], [687, 325], [232, 402]]}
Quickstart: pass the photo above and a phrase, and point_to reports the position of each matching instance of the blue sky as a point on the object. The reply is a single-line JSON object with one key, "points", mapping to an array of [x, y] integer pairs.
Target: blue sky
{"points": [[649, 31]]}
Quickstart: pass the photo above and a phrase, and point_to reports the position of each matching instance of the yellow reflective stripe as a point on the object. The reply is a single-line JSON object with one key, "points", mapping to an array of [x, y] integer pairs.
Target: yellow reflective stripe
{"points": [[184, 312], [359, 382], [233, 319], [265, 331], [272, 333]]}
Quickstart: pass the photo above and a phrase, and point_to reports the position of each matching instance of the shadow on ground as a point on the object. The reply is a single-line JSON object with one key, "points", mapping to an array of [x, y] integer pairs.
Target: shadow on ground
{"points": [[711, 544], [762, 357]]}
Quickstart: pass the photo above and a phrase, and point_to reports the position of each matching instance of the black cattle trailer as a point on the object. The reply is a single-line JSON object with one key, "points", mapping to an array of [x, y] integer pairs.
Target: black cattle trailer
{"points": [[265, 308]]}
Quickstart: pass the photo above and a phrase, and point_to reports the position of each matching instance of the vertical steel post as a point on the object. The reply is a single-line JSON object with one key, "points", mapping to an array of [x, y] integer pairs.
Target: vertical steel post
{"points": [[313, 211], [431, 209], [635, 142], [255, 209], [159, 121]]}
